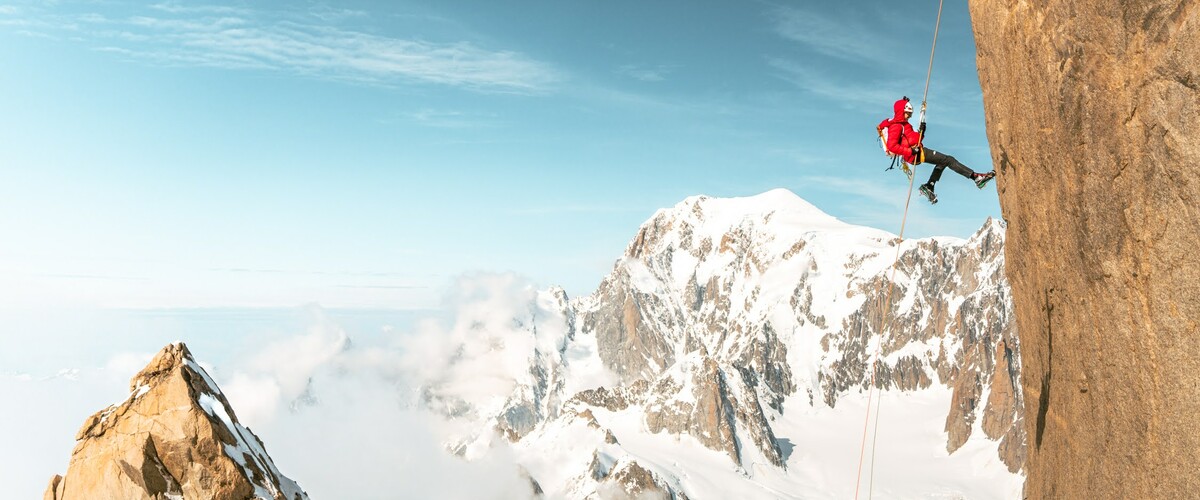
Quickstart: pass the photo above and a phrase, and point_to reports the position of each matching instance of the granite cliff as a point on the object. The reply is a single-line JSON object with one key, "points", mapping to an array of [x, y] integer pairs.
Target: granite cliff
{"points": [[1092, 111]]}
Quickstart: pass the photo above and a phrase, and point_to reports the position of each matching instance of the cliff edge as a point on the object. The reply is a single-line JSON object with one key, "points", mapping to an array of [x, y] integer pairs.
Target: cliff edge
{"points": [[1092, 111]]}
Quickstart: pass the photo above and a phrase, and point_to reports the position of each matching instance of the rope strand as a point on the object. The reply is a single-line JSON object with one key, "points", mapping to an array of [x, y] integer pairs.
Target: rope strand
{"points": [[883, 319], [879, 345], [937, 24], [878, 350]]}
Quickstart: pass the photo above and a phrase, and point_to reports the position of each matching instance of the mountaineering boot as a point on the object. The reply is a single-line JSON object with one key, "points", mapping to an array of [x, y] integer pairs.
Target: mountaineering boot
{"points": [[981, 180], [926, 190]]}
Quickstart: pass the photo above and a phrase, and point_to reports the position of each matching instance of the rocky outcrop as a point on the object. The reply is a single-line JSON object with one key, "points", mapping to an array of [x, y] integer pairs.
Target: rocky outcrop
{"points": [[628, 480], [539, 395], [616, 399], [696, 397], [1092, 109], [52, 489], [630, 345], [175, 436], [955, 297], [700, 399], [1003, 416]]}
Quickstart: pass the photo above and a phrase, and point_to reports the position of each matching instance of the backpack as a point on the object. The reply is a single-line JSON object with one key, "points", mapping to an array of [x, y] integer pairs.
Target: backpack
{"points": [[882, 130]]}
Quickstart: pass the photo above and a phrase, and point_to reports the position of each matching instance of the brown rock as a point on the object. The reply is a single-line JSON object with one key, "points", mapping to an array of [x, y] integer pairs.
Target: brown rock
{"points": [[1000, 412], [52, 490], [616, 399], [706, 413], [628, 480], [1092, 110], [629, 343], [712, 412], [1002, 416], [962, 411], [174, 437]]}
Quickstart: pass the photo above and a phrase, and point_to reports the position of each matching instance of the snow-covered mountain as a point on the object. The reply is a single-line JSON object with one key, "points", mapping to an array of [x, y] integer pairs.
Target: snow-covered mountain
{"points": [[729, 355]]}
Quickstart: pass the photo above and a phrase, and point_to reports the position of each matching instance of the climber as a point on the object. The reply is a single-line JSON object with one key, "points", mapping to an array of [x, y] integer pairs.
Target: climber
{"points": [[903, 141]]}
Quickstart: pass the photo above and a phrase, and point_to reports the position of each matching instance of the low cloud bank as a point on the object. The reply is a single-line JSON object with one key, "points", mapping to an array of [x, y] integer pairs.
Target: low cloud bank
{"points": [[345, 419]]}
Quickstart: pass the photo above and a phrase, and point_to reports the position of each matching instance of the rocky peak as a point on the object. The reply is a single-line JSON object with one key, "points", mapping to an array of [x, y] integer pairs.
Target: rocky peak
{"points": [[726, 307], [628, 480], [702, 224], [175, 436]]}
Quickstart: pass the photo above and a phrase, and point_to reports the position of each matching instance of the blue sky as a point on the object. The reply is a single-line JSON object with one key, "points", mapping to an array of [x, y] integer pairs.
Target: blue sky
{"points": [[363, 154]]}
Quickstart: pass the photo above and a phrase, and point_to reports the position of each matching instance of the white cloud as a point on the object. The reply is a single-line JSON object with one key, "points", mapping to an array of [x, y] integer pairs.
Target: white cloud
{"points": [[841, 37], [874, 193], [309, 45], [127, 364], [575, 209], [43, 412], [319, 399], [451, 119], [864, 96], [360, 442], [481, 356], [329, 13], [281, 374], [178, 8], [342, 418]]}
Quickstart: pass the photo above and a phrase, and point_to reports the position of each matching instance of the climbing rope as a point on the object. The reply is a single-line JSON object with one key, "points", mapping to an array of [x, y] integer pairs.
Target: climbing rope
{"points": [[888, 303], [929, 72]]}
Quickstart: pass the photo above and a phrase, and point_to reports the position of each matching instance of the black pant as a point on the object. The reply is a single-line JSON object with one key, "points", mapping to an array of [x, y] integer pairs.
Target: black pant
{"points": [[941, 161]]}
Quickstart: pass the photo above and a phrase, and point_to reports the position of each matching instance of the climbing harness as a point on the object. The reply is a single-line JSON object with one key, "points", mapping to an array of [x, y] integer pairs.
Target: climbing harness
{"points": [[891, 280]]}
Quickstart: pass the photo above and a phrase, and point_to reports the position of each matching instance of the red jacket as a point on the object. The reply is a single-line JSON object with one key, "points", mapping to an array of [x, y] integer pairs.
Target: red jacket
{"points": [[901, 136]]}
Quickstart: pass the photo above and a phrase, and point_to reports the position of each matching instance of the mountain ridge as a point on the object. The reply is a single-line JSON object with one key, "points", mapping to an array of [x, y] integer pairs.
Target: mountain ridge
{"points": [[723, 315]]}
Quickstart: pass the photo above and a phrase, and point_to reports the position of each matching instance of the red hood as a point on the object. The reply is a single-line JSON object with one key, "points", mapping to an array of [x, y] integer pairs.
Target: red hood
{"points": [[899, 109]]}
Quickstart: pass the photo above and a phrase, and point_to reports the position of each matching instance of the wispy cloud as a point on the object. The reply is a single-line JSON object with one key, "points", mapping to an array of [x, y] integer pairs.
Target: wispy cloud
{"points": [[89, 277], [870, 96], [436, 118], [575, 209], [334, 14], [308, 43], [384, 287], [178, 8], [646, 73], [802, 156], [875, 193], [842, 38], [374, 274]]}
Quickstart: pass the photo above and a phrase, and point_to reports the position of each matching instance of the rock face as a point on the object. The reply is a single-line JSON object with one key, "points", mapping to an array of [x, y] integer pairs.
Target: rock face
{"points": [[175, 436], [1092, 111]]}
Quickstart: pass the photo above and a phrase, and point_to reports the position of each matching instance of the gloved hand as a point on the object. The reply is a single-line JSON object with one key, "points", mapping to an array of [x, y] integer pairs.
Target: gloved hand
{"points": [[922, 128], [916, 151]]}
